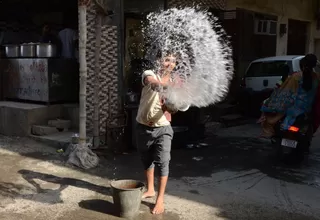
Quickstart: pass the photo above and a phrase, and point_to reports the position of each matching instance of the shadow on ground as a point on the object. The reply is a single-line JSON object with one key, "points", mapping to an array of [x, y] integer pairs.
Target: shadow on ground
{"points": [[231, 154], [222, 154], [50, 195], [98, 205], [106, 207]]}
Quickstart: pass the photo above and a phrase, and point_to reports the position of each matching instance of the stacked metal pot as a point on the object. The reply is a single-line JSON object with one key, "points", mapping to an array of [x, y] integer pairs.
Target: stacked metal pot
{"points": [[31, 50]]}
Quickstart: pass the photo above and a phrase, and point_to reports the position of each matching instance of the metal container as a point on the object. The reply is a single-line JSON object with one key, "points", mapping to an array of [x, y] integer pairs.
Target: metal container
{"points": [[46, 50], [28, 50], [12, 50]]}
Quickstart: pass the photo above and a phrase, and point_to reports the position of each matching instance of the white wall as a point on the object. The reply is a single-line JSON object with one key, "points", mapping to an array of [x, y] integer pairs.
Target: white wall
{"points": [[317, 48], [294, 9], [310, 44], [282, 41]]}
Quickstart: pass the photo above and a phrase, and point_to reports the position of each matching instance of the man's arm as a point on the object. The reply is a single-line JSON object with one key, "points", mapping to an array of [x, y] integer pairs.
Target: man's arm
{"points": [[171, 111], [155, 84]]}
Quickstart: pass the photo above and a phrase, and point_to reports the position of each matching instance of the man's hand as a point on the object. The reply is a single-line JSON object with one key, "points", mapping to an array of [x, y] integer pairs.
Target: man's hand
{"points": [[170, 110], [155, 84]]}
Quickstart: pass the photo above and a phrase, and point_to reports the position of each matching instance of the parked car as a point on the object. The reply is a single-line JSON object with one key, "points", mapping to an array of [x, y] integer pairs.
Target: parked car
{"points": [[262, 76], [265, 73]]}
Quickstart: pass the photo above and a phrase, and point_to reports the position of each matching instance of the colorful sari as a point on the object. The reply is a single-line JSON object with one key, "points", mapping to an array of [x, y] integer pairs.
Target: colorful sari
{"points": [[289, 101]]}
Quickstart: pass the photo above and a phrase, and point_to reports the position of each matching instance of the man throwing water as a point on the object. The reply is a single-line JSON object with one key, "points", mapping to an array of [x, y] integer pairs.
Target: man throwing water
{"points": [[154, 131]]}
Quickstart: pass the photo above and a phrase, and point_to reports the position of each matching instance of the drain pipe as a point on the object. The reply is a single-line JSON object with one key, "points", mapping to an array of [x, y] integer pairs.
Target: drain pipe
{"points": [[96, 135], [318, 15]]}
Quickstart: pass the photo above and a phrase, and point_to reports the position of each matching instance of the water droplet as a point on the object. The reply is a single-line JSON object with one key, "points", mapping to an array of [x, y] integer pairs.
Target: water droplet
{"points": [[205, 64]]}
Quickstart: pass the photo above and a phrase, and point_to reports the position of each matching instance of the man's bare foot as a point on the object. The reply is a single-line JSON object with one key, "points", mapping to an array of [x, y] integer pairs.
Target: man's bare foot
{"points": [[158, 208], [148, 194]]}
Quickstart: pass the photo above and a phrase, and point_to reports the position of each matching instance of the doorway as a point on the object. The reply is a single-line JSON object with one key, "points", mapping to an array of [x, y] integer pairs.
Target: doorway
{"points": [[297, 37]]}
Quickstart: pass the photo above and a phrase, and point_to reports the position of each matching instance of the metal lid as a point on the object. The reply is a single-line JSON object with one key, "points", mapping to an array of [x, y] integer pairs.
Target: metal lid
{"points": [[26, 44], [11, 45]]}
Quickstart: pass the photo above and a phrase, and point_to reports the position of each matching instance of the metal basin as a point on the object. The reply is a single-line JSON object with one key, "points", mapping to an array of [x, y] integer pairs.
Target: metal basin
{"points": [[46, 50], [28, 50], [12, 50]]}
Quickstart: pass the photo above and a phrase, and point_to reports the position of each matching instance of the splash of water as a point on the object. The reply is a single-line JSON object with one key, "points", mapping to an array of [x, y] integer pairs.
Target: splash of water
{"points": [[205, 65]]}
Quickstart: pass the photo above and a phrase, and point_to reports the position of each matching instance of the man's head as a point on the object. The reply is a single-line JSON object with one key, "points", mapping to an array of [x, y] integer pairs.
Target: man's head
{"points": [[167, 61], [46, 29]]}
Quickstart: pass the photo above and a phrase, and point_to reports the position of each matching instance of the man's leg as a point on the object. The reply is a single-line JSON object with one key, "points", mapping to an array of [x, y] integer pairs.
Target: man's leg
{"points": [[144, 135], [150, 184], [162, 159], [159, 206]]}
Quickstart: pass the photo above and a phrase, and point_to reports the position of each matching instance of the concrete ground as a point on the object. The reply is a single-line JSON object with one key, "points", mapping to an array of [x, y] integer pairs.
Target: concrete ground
{"points": [[235, 177]]}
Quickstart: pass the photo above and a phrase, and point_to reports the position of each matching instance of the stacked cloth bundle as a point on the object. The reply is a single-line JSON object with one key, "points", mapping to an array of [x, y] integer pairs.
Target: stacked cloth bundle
{"points": [[81, 156]]}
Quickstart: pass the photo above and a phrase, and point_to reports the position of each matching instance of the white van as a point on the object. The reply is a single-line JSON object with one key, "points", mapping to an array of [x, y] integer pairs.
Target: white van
{"points": [[265, 73]]}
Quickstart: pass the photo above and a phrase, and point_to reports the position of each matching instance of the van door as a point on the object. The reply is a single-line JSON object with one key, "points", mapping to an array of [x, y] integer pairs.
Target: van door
{"points": [[266, 74]]}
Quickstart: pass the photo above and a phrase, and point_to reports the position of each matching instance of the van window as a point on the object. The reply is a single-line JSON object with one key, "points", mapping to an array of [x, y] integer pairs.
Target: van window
{"points": [[269, 68], [316, 69]]}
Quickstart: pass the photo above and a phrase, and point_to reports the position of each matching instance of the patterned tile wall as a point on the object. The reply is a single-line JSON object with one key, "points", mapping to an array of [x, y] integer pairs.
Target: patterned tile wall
{"points": [[218, 4], [109, 62], [108, 75]]}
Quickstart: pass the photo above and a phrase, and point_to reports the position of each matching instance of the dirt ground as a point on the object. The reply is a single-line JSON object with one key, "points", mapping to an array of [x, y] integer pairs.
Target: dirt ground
{"points": [[234, 177]]}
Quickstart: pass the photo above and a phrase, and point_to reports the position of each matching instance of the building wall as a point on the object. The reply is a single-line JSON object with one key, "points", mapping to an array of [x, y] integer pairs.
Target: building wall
{"points": [[285, 10], [294, 9], [317, 48], [108, 75], [282, 40], [218, 4]]}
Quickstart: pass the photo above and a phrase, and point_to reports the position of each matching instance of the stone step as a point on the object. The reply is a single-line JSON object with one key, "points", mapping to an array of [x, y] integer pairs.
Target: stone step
{"points": [[231, 117], [224, 106], [42, 130], [233, 120], [222, 109], [16, 119], [60, 124], [58, 140]]}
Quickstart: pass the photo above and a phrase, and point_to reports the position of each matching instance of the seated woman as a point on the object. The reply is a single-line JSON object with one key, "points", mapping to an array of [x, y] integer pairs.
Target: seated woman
{"points": [[295, 97]]}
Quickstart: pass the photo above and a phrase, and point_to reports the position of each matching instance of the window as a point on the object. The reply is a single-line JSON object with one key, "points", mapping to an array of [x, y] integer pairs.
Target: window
{"points": [[271, 68]]}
